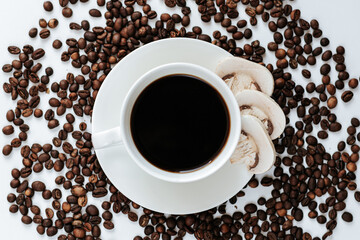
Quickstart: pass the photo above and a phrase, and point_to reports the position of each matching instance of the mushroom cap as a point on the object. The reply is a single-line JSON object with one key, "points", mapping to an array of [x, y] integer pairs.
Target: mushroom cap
{"points": [[263, 104], [256, 133], [246, 72]]}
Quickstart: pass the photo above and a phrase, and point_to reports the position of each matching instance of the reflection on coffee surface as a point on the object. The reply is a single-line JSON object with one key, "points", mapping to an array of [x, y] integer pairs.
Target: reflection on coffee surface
{"points": [[179, 123]]}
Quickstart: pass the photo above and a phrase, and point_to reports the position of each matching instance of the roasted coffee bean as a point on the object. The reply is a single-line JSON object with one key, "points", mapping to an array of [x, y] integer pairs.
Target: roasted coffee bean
{"points": [[347, 96], [51, 231], [13, 50], [132, 216], [306, 73], [53, 123], [63, 3], [75, 26], [108, 225], [347, 217], [170, 3], [92, 210], [8, 130], [53, 23], [99, 192], [44, 33], [57, 44], [38, 186], [42, 23], [13, 208], [11, 197], [250, 208], [332, 102], [26, 219], [48, 6], [144, 220], [67, 12], [33, 32], [38, 53], [78, 191], [95, 13]]}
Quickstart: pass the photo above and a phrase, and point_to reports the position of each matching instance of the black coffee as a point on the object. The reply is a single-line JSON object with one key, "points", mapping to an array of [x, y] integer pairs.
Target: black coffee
{"points": [[179, 123]]}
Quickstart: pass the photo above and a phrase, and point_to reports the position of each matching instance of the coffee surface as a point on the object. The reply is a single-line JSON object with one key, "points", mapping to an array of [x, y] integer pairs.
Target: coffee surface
{"points": [[179, 123]]}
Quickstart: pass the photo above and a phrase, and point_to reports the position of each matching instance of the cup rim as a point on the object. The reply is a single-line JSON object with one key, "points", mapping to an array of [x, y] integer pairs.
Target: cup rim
{"points": [[212, 79]]}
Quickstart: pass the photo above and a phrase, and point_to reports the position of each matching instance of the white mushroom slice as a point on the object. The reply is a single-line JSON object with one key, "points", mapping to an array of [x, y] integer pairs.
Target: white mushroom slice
{"points": [[255, 148], [263, 107], [242, 74]]}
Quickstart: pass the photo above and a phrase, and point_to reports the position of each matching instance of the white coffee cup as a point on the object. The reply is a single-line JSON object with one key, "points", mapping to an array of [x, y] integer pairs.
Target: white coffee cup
{"points": [[121, 135]]}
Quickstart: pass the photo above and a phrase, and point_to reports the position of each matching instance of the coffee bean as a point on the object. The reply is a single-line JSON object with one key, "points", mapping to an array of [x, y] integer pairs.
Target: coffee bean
{"points": [[53, 23], [250, 208], [67, 12], [100, 2], [347, 96], [108, 225], [26, 219], [10, 115], [33, 32], [99, 192], [92, 210], [170, 3], [144, 220], [75, 26], [11, 197], [78, 191], [57, 44], [306, 73], [13, 208], [13, 50], [44, 33], [295, 15], [332, 102], [48, 6], [132, 216], [38, 186], [8, 130], [38, 53], [331, 225], [42, 23], [63, 3], [95, 13], [79, 233], [40, 229], [49, 213], [339, 206], [51, 231]]}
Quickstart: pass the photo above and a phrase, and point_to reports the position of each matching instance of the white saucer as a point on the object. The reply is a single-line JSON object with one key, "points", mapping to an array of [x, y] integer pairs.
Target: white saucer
{"points": [[131, 180]]}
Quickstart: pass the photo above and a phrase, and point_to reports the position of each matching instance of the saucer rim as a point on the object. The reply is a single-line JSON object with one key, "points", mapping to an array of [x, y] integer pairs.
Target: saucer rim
{"points": [[95, 127]]}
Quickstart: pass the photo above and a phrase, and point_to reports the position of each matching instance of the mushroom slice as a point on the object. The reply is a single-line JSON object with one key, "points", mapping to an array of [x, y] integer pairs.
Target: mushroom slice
{"points": [[240, 74], [255, 148], [263, 107]]}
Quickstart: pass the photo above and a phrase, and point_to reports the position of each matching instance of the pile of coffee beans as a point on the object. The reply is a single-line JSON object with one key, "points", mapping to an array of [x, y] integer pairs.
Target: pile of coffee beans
{"points": [[304, 170]]}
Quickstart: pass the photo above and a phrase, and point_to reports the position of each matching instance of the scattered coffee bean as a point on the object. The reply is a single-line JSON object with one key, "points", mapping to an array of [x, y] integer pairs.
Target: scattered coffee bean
{"points": [[57, 44], [67, 12], [347, 217], [95, 13], [48, 6], [33, 32], [53, 23], [44, 33], [8, 130], [347, 96]]}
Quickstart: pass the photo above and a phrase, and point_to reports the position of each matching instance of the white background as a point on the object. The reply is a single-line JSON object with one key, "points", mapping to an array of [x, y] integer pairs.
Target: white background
{"points": [[339, 23]]}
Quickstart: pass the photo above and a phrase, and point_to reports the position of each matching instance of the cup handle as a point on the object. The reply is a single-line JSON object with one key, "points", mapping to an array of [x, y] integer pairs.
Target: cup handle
{"points": [[108, 138]]}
